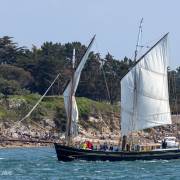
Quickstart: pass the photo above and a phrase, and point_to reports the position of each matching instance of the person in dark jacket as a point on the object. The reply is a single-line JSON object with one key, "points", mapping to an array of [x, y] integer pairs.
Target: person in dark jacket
{"points": [[105, 146], [111, 147], [164, 144], [124, 141]]}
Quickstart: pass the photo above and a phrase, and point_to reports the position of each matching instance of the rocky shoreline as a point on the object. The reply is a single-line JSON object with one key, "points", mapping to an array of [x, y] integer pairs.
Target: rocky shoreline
{"points": [[30, 135]]}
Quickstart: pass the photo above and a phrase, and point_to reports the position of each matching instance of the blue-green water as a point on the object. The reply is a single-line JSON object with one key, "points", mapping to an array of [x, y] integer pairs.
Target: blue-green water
{"points": [[41, 163]]}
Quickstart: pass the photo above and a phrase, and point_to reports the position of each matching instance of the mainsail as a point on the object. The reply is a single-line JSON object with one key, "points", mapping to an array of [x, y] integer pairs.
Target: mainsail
{"points": [[144, 91], [69, 95]]}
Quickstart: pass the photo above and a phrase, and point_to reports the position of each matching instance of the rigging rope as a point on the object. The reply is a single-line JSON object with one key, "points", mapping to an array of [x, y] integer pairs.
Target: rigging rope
{"points": [[29, 113], [106, 84]]}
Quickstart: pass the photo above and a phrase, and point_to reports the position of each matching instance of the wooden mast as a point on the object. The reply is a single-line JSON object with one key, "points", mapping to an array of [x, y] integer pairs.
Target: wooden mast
{"points": [[69, 135], [124, 138], [135, 82], [138, 38]]}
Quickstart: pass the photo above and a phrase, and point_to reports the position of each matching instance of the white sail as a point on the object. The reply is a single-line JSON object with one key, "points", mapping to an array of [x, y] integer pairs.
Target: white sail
{"points": [[144, 91], [69, 93]]}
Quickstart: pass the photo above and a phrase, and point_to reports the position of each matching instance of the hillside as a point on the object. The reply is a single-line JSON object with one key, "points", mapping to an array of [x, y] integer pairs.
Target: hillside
{"points": [[97, 120], [48, 121]]}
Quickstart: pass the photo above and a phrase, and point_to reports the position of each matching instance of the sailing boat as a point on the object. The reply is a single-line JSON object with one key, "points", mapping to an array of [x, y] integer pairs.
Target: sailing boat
{"points": [[144, 104]]}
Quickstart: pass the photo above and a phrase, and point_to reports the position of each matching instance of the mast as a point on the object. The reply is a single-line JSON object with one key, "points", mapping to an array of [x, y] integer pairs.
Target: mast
{"points": [[69, 122], [73, 58], [138, 39], [69, 95], [135, 81]]}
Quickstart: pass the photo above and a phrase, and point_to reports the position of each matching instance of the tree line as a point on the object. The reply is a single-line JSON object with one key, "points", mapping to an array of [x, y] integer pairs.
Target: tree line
{"points": [[24, 71]]}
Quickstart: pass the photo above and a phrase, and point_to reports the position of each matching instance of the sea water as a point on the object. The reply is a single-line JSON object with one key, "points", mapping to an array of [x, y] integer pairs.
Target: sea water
{"points": [[42, 163]]}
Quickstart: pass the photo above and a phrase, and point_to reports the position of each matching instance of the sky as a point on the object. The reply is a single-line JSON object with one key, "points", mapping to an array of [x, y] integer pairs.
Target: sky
{"points": [[115, 23]]}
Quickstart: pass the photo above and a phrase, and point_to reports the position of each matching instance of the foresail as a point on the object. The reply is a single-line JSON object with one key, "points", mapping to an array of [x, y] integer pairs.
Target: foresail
{"points": [[69, 93], [144, 91], [74, 115]]}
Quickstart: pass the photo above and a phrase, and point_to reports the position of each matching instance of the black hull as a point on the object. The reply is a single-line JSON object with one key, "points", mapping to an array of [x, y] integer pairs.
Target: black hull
{"points": [[65, 153]]}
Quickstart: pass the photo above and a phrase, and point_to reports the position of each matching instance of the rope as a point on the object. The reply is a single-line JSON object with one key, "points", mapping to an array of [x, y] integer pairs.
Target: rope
{"points": [[107, 88], [39, 99], [29, 113]]}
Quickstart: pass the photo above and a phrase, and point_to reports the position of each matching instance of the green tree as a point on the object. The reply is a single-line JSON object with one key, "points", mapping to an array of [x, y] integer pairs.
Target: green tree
{"points": [[9, 51]]}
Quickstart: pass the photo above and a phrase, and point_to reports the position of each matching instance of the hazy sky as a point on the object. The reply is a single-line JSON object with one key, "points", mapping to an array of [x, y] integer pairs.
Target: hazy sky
{"points": [[115, 22]]}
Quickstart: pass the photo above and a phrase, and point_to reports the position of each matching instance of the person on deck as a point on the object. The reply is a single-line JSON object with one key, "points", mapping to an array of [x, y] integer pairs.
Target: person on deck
{"points": [[164, 144], [89, 145], [105, 146], [101, 147], [127, 147], [111, 147], [124, 141], [95, 147], [84, 145]]}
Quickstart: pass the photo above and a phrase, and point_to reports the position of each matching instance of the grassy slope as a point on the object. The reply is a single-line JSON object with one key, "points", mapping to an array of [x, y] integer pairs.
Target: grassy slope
{"points": [[15, 107]]}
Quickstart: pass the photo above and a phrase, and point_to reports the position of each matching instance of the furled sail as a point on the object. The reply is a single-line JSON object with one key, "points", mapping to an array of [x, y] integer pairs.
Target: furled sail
{"points": [[69, 93], [144, 91]]}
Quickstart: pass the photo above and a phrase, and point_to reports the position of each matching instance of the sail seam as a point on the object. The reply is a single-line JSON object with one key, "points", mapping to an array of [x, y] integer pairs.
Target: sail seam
{"points": [[151, 97], [158, 114], [149, 70], [155, 122]]}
